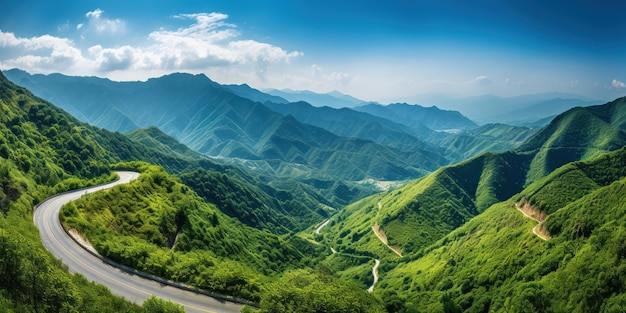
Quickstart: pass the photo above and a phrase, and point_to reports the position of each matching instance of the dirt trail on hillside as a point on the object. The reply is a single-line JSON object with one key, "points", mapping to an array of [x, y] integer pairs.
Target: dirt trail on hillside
{"points": [[534, 213], [383, 237]]}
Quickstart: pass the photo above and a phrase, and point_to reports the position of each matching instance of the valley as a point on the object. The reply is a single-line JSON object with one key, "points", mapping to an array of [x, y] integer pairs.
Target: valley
{"points": [[286, 205]]}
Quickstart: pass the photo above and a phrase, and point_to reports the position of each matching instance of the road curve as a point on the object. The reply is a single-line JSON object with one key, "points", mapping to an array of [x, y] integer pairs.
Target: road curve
{"points": [[131, 287], [375, 273]]}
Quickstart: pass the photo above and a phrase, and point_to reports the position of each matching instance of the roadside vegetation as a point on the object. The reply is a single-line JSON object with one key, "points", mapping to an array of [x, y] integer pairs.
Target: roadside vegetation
{"points": [[42, 152]]}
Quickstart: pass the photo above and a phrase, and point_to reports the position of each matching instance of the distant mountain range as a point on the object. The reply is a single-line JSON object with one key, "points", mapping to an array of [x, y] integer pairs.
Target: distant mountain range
{"points": [[334, 99], [211, 119], [243, 125], [524, 108], [415, 116]]}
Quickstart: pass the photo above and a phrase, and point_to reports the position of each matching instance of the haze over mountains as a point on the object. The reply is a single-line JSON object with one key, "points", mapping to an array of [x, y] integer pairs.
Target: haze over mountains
{"points": [[333, 99], [517, 110]]}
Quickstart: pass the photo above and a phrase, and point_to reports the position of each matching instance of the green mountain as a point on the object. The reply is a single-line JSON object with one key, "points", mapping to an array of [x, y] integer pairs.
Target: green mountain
{"points": [[43, 151], [212, 120], [495, 263], [420, 213], [351, 123], [489, 137], [236, 192], [416, 117], [153, 219], [577, 134]]}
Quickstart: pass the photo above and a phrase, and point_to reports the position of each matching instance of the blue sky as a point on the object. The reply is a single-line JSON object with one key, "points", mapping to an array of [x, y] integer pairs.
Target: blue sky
{"points": [[385, 51]]}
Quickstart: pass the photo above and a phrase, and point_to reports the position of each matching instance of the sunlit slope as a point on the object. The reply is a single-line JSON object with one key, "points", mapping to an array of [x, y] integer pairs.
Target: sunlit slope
{"points": [[495, 263], [577, 134], [424, 210]]}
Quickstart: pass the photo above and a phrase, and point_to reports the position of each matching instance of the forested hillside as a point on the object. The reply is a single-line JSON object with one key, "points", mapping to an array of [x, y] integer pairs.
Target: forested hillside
{"points": [[579, 133], [421, 212], [454, 240], [409, 223], [44, 151], [495, 263], [160, 225], [425, 210]]}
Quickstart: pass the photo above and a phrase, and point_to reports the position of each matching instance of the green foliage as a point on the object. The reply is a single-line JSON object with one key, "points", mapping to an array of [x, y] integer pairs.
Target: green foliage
{"points": [[252, 205], [486, 138], [158, 305], [160, 226], [44, 151], [494, 263], [304, 291]]}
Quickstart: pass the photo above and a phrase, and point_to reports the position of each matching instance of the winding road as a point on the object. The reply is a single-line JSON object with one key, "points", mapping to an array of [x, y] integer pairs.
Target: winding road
{"points": [[78, 260], [375, 273]]}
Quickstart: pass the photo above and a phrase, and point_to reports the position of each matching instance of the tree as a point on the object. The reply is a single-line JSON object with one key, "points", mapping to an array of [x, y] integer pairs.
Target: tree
{"points": [[157, 305]]}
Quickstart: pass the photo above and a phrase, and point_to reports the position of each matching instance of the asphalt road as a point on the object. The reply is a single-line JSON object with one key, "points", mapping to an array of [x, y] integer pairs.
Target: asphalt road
{"points": [[131, 287]]}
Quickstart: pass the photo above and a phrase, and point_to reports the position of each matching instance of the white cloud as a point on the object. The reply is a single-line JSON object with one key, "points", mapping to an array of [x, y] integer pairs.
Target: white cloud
{"points": [[103, 25], [212, 42], [95, 13], [315, 70], [340, 77], [616, 84], [207, 43], [8, 39], [481, 80], [109, 60], [41, 54]]}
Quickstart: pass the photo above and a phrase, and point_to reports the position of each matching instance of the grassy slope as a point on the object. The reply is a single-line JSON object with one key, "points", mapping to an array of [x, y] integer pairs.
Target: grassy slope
{"points": [[424, 210], [237, 193], [494, 263]]}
